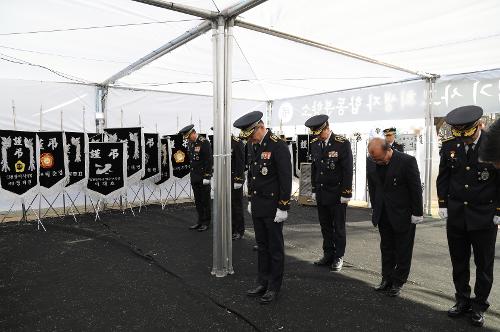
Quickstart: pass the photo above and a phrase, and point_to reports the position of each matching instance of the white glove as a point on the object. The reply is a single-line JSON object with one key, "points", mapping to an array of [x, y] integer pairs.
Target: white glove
{"points": [[443, 213], [280, 215], [496, 220], [205, 182], [313, 196], [417, 219], [237, 186], [344, 200], [249, 209]]}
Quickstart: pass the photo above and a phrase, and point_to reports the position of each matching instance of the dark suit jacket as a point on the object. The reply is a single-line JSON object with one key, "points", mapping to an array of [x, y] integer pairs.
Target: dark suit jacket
{"points": [[401, 193]]}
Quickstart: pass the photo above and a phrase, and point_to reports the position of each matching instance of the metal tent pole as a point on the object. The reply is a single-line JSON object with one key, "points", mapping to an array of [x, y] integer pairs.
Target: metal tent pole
{"points": [[325, 47], [220, 190], [429, 125], [194, 11], [240, 7], [169, 47], [228, 63]]}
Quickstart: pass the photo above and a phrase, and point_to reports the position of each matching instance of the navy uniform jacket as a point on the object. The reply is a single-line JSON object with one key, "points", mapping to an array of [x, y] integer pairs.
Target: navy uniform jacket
{"points": [[237, 161], [201, 160], [331, 170], [269, 176], [398, 147], [469, 189], [400, 196]]}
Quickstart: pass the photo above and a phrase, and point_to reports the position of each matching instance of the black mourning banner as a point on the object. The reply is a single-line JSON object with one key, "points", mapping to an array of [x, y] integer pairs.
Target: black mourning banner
{"points": [[52, 166], [164, 161], [18, 161], [303, 147], [152, 155], [94, 137], [75, 149], [133, 138], [106, 168], [180, 159], [294, 159]]}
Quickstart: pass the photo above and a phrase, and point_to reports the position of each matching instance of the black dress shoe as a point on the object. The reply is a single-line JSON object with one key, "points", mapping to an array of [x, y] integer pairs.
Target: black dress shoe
{"points": [[268, 297], [202, 228], [477, 318], [383, 286], [324, 261], [459, 309], [257, 291], [195, 226], [395, 290], [337, 264]]}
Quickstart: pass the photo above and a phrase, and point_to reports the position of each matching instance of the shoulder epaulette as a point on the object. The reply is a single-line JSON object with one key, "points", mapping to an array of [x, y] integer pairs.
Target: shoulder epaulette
{"points": [[314, 139], [339, 138], [274, 138], [448, 139], [236, 139]]}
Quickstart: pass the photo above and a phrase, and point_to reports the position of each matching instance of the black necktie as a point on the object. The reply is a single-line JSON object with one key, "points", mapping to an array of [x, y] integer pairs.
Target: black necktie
{"points": [[470, 150], [323, 144], [255, 147]]}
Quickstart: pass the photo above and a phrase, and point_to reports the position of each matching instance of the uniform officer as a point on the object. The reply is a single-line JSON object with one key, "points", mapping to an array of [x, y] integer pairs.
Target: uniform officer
{"points": [[331, 180], [237, 180], [201, 163], [269, 188], [469, 197], [390, 137], [490, 148]]}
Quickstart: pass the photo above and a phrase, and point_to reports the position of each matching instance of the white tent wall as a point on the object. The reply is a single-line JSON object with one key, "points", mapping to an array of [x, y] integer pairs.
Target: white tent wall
{"points": [[169, 111]]}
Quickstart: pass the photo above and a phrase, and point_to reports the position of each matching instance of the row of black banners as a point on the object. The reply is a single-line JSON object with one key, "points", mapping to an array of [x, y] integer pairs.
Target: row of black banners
{"points": [[99, 160], [46, 159]]}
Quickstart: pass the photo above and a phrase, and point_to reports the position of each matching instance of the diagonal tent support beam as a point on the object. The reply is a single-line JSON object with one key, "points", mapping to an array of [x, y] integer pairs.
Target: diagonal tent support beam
{"points": [[167, 48], [300, 40], [194, 11], [240, 7]]}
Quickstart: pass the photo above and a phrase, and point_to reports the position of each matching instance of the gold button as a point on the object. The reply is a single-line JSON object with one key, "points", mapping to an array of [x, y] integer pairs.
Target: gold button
{"points": [[254, 192], [467, 168], [253, 177], [465, 203], [255, 163], [466, 186], [321, 173]]}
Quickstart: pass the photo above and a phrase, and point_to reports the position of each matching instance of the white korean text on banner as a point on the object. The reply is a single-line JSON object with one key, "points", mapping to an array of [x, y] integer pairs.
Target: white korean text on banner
{"points": [[303, 148], [107, 169], [164, 161], [385, 102], [152, 156], [77, 154], [180, 158], [135, 153], [18, 160], [481, 89], [53, 159]]}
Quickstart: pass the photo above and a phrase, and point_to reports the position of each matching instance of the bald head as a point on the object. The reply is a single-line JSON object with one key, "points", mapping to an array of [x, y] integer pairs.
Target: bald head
{"points": [[378, 151]]}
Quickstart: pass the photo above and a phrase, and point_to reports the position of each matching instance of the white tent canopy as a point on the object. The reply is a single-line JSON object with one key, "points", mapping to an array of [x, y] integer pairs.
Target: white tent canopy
{"points": [[88, 41]]}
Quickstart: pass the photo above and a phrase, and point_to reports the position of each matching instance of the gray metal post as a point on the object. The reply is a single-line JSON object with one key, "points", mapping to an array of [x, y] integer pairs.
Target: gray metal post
{"points": [[429, 125], [221, 187]]}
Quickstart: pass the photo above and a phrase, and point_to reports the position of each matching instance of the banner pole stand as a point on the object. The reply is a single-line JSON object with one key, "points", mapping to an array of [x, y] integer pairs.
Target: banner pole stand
{"points": [[24, 218], [121, 204], [64, 204]]}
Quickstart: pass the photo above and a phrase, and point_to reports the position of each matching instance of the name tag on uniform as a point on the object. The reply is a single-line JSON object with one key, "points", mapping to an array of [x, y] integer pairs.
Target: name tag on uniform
{"points": [[197, 149], [265, 155], [333, 154]]}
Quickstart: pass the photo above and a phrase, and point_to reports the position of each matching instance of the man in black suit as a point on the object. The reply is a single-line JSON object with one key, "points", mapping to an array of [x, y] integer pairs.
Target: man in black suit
{"points": [[469, 198], [390, 138], [396, 196]]}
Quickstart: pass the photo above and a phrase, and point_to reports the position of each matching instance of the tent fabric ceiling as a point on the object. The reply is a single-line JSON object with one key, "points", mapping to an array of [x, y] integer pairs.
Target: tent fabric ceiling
{"points": [[441, 37]]}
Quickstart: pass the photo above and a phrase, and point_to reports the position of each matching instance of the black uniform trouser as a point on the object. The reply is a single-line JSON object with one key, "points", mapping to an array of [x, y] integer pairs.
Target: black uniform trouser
{"points": [[332, 222], [271, 253], [482, 242], [237, 219], [202, 202], [397, 250]]}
